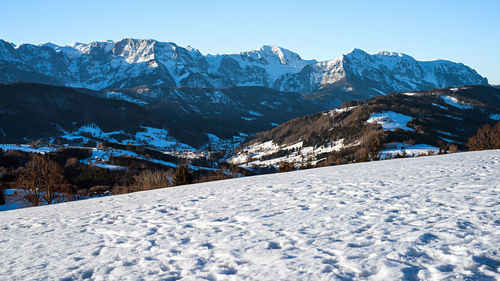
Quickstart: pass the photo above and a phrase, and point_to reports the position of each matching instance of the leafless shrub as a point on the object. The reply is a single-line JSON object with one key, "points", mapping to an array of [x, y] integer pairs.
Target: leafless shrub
{"points": [[453, 148], [71, 162], [219, 175], [486, 138], [98, 190], [122, 189], [286, 167], [151, 179]]}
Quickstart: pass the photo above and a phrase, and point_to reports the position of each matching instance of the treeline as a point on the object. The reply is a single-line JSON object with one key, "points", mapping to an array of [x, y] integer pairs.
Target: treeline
{"points": [[58, 176]]}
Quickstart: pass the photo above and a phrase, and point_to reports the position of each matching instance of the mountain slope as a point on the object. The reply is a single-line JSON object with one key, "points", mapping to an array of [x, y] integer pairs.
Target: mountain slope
{"points": [[411, 120], [358, 75], [130, 63], [192, 116], [391, 220]]}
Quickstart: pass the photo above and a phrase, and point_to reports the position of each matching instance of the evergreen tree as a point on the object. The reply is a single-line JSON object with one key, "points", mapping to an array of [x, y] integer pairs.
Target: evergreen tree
{"points": [[2, 197], [442, 149], [183, 175]]}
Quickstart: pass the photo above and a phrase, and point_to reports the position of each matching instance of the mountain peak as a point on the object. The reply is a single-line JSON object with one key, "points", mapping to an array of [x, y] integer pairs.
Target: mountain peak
{"points": [[356, 54], [394, 54], [268, 51], [357, 51]]}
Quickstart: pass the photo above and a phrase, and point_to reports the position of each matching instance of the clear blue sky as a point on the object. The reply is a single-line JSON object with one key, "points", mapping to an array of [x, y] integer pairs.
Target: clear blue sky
{"points": [[461, 31]]}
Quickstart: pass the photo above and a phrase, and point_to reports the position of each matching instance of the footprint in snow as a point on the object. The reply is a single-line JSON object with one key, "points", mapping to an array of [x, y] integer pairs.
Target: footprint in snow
{"points": [[273, 246]]}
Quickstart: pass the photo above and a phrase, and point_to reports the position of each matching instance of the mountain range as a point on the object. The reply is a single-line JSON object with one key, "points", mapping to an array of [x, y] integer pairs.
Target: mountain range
{"points": [[131, 63], [168, 97]]}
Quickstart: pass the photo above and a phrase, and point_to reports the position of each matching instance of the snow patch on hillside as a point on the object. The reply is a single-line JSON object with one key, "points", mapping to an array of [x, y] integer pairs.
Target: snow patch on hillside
{"points": [[390, 120], [124, 97], [151, 137], [440, 106], [456, 103], [340, 110], [255, 113], [495, 117], [27, 148]]}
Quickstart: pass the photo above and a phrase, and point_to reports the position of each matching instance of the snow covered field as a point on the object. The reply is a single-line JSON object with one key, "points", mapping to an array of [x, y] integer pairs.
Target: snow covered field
{"points": [[427, 218]]}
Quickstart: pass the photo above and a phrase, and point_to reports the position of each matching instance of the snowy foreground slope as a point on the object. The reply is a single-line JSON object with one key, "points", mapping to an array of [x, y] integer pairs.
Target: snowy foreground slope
{"points": [[427, 218]]}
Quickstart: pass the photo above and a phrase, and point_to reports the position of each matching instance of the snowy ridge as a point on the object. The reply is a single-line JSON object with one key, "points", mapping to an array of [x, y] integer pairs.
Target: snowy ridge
{"points": [[431, 218], [130, 63], [385, 72]]}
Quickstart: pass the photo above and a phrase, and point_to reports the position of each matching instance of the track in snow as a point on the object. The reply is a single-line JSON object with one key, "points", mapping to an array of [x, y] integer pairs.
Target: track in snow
{"points": [[425, 218]]}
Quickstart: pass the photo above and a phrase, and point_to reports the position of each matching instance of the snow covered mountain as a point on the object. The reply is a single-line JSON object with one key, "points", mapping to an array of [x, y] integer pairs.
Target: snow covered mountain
{"points": [[358, 75], [130, 63], [386, 72], [429, 218]]}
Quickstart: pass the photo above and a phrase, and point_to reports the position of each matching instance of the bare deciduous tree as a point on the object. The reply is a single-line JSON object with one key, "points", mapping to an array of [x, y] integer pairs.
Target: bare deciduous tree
{"points": [[486, 138], [42, 182]]}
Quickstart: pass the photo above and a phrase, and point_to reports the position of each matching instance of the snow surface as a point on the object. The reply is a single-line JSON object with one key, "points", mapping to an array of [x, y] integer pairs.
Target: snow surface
{"points": [[394, 149], [430, 218], [122, 96], [456, 103], [390, 120], [495, 117], [10, 203], [340, 110], [440, 106], [26, 148]]}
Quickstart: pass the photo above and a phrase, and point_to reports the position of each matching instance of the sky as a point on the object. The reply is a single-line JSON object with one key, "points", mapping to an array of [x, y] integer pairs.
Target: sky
{"points": [[460, 31]]}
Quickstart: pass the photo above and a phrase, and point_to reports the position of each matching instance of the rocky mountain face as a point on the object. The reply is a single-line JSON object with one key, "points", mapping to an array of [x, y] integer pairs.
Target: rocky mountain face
{"points": [[358, 75], [416, 121], [130, 63]]}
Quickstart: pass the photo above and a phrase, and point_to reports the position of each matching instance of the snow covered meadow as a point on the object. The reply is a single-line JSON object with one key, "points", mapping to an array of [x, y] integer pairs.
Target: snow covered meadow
{"points": [[426, 218]]}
